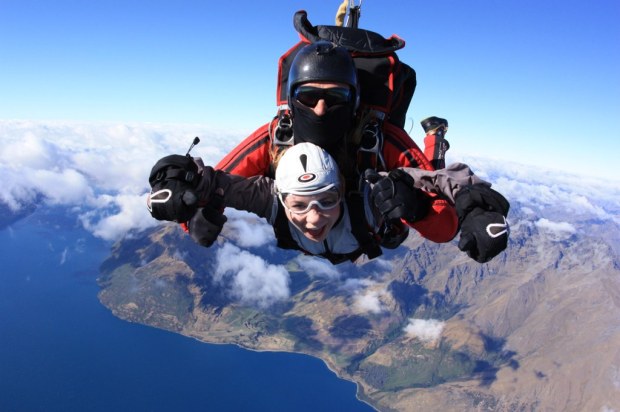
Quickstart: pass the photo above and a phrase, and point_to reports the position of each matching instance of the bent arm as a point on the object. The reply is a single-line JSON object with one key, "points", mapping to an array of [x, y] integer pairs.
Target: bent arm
{"points": [[253, 194], [446, 182], [441, 223]]}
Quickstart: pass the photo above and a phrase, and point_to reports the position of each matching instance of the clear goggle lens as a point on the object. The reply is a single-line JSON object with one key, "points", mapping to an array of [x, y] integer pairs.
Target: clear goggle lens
{"points": [[298, 204]]}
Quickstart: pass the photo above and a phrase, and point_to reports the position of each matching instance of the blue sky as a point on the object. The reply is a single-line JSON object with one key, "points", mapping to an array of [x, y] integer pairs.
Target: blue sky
{"points": [[529, 81]]}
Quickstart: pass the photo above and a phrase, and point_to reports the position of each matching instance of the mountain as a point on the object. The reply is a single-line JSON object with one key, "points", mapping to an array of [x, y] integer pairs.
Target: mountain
{"points": [[424, 328]]}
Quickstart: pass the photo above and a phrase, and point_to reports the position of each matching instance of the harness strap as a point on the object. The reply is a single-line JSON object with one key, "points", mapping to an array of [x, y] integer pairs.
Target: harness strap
{"points": [[370, 148], [369, 244]]}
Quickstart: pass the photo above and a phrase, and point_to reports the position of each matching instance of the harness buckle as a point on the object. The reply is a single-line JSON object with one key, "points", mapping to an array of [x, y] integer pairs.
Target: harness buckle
{"points": [[370, 150], [283, 132]]}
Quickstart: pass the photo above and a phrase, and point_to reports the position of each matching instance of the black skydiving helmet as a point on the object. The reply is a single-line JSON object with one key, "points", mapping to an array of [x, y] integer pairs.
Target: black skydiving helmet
{"points": [[326, 62]]}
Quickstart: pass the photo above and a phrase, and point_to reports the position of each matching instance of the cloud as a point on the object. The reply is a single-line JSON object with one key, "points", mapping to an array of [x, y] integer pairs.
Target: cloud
{"points": [[557, 230], [116, 216], [426, 330], [55, 187], [248, 230], [562, 227], [251, 279], [370, 301], [547, 192], [63, 256], [382, 265], [317, 267], [366, 295], [353, 285], [100, 169]]}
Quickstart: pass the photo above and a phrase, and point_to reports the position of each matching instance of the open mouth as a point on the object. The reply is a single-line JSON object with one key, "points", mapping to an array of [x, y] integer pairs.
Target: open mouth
{"points": [[316, 233]]}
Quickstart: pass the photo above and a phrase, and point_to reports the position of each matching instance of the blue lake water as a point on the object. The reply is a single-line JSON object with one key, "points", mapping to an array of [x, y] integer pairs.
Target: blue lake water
{"points": [[61, 350]]}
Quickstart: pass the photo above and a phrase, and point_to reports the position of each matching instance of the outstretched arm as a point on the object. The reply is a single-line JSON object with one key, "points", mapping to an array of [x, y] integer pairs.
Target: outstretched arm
{"points": [[185, 190], [446, 182], [481, 211]]}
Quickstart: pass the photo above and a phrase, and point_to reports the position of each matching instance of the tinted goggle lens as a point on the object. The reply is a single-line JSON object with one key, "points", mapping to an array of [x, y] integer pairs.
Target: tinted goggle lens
{"points": [[299, 205], [309, 95]]}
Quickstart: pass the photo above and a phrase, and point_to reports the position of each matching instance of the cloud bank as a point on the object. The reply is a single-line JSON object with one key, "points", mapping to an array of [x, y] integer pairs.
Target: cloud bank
{"points": [[100, 171]]}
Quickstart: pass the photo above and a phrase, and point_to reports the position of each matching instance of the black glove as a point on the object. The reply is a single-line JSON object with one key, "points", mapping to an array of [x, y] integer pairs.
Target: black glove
{"points": [[482, 215], [483, 235], [206, 225], [395, 196], [471, 197], [173, 182], [394, 235]]}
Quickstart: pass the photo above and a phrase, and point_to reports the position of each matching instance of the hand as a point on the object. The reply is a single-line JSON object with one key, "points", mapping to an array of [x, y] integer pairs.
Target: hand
{"points": [[206, 225], [481, 196], [394, 235], [396, 197], [484, 234], [173, 181]]}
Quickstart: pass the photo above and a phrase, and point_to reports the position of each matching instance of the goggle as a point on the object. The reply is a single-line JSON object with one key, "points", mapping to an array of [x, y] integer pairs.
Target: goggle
{"points": [[300, 205], [309, 96]]}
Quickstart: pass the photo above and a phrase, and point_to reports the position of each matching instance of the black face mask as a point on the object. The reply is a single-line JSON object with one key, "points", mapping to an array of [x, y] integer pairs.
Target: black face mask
{"points": [[326, 131]]}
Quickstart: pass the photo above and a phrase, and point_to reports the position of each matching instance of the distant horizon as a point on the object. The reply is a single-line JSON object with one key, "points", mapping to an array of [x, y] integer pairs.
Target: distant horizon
{"points": [[454, 154], [101, 170]]}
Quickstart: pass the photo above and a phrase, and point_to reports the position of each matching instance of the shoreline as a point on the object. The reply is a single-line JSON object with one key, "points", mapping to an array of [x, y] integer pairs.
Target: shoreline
{"points": [[330, 367]]}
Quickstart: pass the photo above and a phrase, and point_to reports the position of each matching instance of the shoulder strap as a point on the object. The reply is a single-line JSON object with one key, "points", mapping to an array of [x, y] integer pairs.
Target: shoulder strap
{"points": [[283, 232], [369, 244]]}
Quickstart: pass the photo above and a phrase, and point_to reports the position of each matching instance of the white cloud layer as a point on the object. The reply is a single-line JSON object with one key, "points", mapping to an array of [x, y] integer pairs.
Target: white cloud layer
{"points": [[101, 171], [426, 330]]}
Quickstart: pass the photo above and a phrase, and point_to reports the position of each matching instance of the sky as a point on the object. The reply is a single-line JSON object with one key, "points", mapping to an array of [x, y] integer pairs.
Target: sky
{"points": [[525, 81]]}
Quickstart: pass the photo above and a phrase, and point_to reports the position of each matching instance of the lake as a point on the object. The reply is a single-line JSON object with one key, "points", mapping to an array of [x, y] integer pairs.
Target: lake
{"points": [[61, 350]]}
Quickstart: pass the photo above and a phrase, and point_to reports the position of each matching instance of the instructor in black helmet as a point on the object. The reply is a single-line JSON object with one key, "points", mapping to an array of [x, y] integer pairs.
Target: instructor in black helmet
{"points": [[323, 95]]}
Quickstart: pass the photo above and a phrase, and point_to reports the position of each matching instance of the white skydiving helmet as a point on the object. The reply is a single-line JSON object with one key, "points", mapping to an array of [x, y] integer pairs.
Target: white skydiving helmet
{"points": [[306, 169]]}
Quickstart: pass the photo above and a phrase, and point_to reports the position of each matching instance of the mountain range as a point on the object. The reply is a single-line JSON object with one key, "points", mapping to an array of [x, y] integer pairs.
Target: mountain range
{"points": [[423, 328]]}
